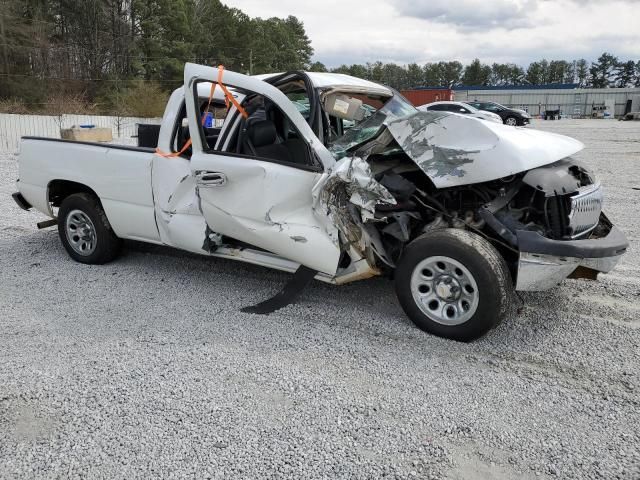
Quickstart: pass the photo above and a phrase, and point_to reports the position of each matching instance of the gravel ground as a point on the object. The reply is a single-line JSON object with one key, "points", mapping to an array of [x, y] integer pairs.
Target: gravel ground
{"points": [[147, 368]]}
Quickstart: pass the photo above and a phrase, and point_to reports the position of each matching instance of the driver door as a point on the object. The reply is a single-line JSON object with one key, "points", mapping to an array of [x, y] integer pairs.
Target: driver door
{"points": [[260, 201]]}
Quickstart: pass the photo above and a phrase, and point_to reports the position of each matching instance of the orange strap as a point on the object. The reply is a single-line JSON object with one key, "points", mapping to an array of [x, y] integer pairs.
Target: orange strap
{"points": [[211, 92], [174, 154], [228, 97]]}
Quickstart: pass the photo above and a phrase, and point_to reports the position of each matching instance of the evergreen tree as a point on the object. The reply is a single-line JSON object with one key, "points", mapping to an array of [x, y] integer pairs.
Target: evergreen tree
{"points": [[317, 67], [536, 72], [476, 73], [625, 73], [450, 73], [558, 71], [582, 72], [601, 71], [431, 74], [359, 71], [506, 74], [415, 77]]}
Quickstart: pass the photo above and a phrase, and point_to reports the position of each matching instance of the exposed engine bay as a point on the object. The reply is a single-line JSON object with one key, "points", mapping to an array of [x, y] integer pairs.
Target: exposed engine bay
{"points": [[560, 201], [401, 181]]}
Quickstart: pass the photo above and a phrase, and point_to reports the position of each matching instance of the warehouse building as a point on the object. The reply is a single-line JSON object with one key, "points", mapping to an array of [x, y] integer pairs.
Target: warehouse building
{"points": [[570, 100], [536, 99]]}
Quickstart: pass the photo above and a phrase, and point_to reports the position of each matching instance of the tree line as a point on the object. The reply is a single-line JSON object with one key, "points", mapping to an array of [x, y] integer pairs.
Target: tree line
{"points": [[108, 51], [124, 56], [606, 71]]}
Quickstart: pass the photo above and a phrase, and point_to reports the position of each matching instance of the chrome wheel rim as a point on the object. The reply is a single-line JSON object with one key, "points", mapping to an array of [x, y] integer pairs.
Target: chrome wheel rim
{"points": [[444, 290], [81, 233], [511, 121]]}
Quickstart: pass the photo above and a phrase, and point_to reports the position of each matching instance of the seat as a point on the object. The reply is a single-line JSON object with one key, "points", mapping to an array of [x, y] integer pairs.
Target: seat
{"points": [[260, 140], [211, 135], [298, 150]]}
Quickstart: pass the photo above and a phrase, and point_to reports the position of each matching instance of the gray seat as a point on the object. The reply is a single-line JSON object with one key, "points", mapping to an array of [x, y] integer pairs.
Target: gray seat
{"points": [[260, 140]]}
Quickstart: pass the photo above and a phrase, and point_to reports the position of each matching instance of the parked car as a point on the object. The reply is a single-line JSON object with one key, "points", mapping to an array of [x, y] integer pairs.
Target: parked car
{"points": [[509, 116], [462, 109], [459, 213]]}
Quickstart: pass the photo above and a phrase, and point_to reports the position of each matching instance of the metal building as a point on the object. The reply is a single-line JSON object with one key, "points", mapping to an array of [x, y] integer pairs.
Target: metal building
{"points": [[570, 100]]}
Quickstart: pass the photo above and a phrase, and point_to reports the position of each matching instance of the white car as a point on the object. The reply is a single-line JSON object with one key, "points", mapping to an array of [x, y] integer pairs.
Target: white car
{"points": [[458, 212], [461, 108]]}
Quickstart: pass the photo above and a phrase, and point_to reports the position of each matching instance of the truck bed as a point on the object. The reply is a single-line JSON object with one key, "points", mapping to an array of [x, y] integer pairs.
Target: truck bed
{"points": [[120, 175]]}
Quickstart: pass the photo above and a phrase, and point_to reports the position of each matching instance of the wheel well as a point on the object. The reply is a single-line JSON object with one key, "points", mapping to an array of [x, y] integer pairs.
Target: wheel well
{"points": [[58, 190]]}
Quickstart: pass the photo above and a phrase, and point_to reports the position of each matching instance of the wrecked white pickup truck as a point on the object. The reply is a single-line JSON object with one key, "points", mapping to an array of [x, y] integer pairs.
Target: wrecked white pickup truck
{"points": [[338, 179]]}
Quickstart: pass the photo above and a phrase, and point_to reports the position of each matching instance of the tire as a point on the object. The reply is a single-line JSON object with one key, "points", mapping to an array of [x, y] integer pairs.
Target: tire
{"points": [[85, 231], [512, 121], [476, 284]]}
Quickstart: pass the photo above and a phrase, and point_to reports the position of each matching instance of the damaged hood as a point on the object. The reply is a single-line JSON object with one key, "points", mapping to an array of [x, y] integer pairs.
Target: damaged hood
{"points": [[457, 150]]}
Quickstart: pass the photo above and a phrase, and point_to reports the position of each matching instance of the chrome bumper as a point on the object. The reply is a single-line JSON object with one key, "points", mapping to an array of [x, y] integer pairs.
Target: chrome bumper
{"points": [[537, 272], [544, 263]]}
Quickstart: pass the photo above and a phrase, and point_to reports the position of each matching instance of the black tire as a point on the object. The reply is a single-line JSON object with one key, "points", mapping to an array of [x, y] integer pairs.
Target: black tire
{"points": [[513, 119], [106, 244], [487, 268]]}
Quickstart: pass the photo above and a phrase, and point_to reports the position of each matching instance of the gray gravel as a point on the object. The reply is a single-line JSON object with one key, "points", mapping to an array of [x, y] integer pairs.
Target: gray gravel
{"points": [[146, 368]]}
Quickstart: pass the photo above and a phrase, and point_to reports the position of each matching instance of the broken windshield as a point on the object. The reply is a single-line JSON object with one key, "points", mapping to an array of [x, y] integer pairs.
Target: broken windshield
{"points": [[396, 107]]}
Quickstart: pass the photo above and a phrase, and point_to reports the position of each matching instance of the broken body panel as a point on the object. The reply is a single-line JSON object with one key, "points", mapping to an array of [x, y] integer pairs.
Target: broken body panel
{"points": [[457, 151]]}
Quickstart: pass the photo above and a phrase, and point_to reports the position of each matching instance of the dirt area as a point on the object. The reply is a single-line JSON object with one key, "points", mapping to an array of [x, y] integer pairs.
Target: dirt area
{"points": [[146, 368]]}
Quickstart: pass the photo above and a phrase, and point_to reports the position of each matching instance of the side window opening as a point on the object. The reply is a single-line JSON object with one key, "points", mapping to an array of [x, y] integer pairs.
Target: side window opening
{"points": [[266, 134], [212, 119], [180, 134]]}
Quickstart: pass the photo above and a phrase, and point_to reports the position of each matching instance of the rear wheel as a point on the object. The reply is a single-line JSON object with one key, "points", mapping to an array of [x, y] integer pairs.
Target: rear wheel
{"points": [[454, 284], [85, 231]]}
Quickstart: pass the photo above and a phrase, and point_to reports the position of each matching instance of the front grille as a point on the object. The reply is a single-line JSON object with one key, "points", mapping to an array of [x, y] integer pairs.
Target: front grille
{"points": [[586, 206]]}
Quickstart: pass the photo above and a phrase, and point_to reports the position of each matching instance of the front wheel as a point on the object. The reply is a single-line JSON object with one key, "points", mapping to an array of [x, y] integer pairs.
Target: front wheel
{"points": [[512, 121], [454, 284]]}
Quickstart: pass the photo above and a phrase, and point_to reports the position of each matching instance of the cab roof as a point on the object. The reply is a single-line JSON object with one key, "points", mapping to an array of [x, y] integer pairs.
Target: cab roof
{"points": [[326, 80]]}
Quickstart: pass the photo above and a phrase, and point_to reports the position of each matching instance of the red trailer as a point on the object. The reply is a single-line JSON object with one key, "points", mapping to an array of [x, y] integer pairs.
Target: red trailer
{"points": [[420, 96]]}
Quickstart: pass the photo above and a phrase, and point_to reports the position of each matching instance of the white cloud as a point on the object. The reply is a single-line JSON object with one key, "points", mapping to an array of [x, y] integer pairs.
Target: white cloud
{"points": [[471, 14], [404, 31]]}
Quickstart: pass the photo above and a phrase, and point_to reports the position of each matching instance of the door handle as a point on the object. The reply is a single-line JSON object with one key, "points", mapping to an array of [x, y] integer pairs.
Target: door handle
{"points": [[211, 179]]}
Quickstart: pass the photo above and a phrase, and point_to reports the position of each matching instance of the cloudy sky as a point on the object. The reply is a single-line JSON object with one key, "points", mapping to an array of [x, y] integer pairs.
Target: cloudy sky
{"points": [[404, 31]]}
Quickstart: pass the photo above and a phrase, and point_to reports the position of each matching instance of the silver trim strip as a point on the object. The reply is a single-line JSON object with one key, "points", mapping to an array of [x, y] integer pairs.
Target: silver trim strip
{"points": [[586, 206]]}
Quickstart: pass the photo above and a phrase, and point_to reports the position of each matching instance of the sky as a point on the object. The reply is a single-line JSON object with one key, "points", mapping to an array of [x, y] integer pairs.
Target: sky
{"points": [[405, 31]]}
